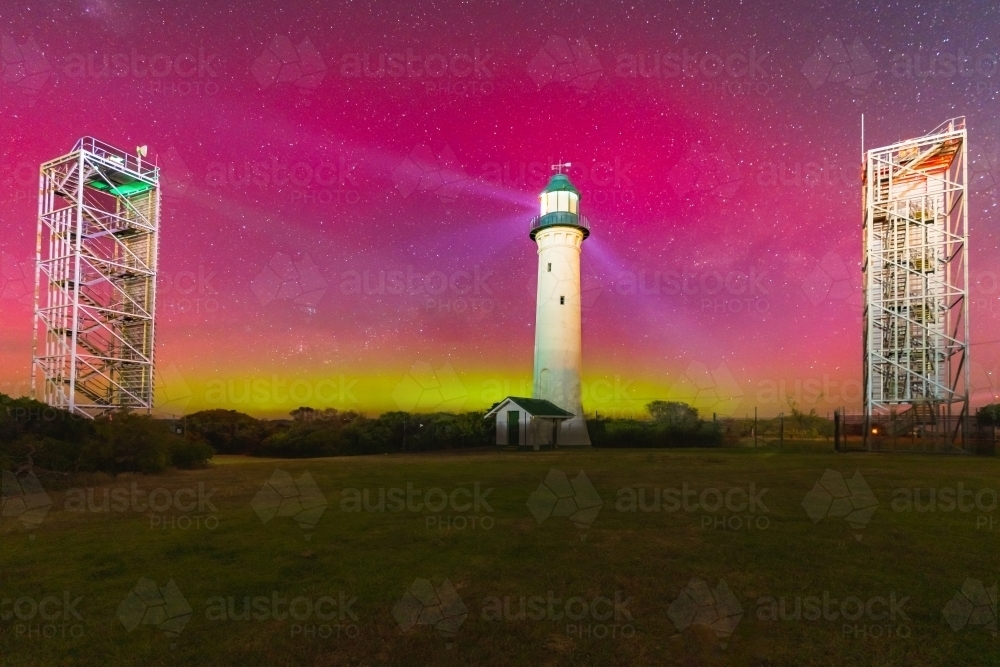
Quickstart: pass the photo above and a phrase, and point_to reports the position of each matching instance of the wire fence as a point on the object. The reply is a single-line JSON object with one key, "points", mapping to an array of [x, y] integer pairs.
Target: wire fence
{"points": [[903, 432], [944, 434]]}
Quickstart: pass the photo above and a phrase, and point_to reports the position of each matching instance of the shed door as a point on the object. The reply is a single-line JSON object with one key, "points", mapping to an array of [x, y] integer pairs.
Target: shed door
{"points": [[513, 428]]}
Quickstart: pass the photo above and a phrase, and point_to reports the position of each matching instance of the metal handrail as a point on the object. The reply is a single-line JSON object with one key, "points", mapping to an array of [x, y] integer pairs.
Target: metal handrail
{"points": [[952, 124], [125, 159], [557, 218]]}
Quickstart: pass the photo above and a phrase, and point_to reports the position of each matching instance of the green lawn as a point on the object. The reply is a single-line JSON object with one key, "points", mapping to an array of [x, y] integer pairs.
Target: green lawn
{"points": [[352, 569]]}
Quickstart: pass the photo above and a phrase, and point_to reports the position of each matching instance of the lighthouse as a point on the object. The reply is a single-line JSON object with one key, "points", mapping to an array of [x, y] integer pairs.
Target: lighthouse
{"points": [[553, 416], [559, 232]]}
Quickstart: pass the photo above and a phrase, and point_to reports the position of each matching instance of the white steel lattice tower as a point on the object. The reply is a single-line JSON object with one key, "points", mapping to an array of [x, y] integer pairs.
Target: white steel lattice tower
{"points": [[916, 316], [95, 280], [559, 233]]}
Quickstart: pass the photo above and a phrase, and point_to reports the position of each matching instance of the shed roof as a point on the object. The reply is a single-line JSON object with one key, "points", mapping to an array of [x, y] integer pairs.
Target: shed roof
{"points": [[535, 407]]}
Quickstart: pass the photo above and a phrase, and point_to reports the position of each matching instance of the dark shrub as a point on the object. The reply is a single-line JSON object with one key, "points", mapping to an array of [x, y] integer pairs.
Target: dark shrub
{"points": [[129, 443], [674, 425], [227, 431], [189, 453]]}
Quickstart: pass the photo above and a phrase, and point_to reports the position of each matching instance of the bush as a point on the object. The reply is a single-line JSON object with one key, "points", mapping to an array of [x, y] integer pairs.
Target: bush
{"points": [[130, 443], [332, 433], [25, 417], [58, 441], [632, 433], [674, 424], [227, 431], [189, 453], [988, 415]]}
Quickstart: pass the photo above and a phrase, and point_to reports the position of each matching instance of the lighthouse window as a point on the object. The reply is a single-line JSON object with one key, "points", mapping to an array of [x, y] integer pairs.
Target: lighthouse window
{"points": [[548, 202], [562, 301], [550, 267]]}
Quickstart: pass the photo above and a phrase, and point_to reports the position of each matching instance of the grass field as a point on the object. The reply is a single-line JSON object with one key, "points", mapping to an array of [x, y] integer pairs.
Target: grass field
{"points": [[338, 587]]}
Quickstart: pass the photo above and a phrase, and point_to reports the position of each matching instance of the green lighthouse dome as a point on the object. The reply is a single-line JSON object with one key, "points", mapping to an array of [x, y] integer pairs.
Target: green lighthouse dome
{"points": [[560, 183]]}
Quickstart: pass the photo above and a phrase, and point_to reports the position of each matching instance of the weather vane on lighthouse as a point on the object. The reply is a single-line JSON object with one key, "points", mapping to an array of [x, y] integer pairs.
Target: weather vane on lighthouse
{"points": [[560, 166]]}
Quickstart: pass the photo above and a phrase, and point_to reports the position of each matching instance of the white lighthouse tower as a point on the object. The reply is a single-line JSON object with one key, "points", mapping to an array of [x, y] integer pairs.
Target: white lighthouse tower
{"points": [[559, 232], [553, 417]]}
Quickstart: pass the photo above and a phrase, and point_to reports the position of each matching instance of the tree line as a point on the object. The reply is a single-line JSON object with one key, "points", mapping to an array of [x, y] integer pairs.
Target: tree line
{"points": [[33, 434]]}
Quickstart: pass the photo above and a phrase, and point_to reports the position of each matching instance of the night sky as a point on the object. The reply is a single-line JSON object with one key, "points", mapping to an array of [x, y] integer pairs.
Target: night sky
{"points": [[347, 189]]}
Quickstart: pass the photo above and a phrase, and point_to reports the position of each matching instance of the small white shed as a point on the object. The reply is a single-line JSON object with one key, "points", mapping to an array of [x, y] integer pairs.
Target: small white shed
{"points": [[528, 423]]}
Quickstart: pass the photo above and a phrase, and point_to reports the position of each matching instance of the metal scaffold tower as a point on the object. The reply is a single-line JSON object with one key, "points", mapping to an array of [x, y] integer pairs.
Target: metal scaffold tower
{"points": [[916, 274], [95, 280]]}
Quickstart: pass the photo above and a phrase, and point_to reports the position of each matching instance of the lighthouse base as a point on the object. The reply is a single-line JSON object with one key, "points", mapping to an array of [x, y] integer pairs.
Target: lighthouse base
{"points": [[573, 432]]}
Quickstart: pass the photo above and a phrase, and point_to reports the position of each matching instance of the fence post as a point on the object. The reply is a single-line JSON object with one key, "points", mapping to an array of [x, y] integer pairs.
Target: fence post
{"points": [[781, 430], [836, 430], [755, 428]]}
